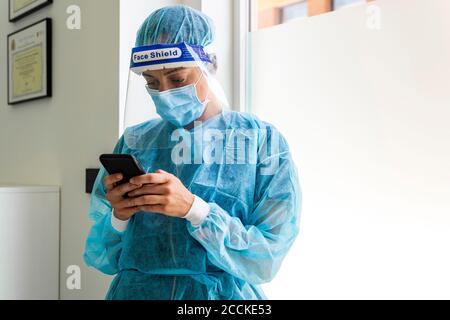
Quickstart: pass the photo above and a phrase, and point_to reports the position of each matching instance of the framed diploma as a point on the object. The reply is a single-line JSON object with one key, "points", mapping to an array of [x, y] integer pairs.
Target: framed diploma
{"points": [[21, 8], [30, 63]]}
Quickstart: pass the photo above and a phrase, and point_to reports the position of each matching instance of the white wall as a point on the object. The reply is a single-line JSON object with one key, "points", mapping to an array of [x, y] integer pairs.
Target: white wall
{"points": [[52, 141], [366, 113]]}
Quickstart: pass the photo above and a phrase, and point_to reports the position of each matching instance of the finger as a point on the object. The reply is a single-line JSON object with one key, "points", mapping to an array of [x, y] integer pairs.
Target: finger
{"points": [[154, 208], [150, 189], [151, 178], [109, 181], [148, 200], [123, 189], [142, 201], [125, 204]]}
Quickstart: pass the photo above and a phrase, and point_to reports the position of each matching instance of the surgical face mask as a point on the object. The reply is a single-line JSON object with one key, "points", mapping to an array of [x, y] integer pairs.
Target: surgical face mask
{"points": [[179, 106]]}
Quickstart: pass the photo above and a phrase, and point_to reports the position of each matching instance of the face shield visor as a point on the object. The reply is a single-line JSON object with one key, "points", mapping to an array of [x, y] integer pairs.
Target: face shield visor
{"points": [[175, 82]]}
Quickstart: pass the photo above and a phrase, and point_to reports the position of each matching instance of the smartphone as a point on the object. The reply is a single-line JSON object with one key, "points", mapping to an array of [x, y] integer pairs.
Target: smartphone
{"points": [[125, 164]]}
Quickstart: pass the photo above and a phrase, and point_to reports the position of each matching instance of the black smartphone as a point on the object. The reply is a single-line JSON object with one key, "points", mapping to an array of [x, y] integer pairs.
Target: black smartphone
{"points": [[125, 164]]}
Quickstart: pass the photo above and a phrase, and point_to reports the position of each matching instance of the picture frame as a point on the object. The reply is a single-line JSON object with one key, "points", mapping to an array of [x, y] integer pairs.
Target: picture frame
{"points": [[30, 63], [22, 8]]}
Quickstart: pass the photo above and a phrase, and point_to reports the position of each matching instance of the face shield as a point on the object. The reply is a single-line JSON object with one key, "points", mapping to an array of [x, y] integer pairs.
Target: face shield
{"points": [[171, 81]]}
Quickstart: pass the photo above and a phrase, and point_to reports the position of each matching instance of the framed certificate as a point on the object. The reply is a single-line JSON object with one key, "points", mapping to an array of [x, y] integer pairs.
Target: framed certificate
{"points": [[21, 8], [30, 63]]}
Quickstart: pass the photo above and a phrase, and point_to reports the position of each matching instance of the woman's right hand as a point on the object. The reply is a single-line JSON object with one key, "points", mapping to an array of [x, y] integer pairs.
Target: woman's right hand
{"points": [[124, 208]]}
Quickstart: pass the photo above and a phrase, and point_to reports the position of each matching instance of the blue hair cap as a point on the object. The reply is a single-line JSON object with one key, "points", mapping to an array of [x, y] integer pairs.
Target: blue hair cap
{"points": [[176, 24]]}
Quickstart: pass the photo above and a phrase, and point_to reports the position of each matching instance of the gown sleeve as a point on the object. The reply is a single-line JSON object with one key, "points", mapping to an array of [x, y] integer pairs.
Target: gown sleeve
{"points": [[104, 242], [253, 248]]}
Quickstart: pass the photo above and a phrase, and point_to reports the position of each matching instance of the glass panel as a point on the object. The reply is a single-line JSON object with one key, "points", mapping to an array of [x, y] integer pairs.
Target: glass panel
{"points": [[338, 4], [297, 10], [366, 116], [274, 12]]}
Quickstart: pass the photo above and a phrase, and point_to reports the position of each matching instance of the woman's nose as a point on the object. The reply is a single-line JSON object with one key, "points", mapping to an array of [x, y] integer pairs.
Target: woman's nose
{"points": [[164, 86]]}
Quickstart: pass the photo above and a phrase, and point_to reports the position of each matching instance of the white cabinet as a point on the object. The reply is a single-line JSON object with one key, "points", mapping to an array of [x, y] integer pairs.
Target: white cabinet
{"points": [[29, 242]]}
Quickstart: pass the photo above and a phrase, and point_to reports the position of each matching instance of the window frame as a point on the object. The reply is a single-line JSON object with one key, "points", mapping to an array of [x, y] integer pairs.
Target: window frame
{"points": [[245, 21]]}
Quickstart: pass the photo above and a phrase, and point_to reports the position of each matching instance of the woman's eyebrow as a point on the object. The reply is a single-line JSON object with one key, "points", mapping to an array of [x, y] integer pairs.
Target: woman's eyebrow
{"points": [[173, 71], [166, 74]]}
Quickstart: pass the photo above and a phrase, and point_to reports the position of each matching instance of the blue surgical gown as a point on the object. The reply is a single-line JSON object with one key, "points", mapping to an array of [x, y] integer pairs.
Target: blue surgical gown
{"points": [[255, 202]]}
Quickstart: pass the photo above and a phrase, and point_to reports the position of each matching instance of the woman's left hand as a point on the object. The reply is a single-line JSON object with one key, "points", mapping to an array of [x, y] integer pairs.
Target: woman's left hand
{"points": [[162, 192]]}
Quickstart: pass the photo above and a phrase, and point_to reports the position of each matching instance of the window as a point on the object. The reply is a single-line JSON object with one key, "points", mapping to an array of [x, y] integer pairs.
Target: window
{"points": [[367, 228], [338, 4], [274, 12], [295, 10]]}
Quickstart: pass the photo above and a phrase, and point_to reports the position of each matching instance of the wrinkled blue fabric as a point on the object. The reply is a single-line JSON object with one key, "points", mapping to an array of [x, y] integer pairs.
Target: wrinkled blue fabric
{"points": [[176, 24], [253, 221]]}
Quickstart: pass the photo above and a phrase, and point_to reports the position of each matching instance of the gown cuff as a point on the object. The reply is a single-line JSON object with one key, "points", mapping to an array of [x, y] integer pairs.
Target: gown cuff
{"points": [[117, 224], [198, 213]]}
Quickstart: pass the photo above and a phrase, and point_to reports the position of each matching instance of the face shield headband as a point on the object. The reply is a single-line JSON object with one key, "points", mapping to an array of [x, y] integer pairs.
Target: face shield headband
{"points": [[164, 56]]}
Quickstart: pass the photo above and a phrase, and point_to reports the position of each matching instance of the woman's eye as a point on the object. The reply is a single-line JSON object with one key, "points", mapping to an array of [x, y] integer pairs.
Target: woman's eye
{"points": [[178, 80]]}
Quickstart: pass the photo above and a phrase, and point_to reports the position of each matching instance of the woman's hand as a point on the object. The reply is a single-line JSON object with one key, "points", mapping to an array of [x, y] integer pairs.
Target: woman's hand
{"points": [[124, 209], [162, 193]]}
